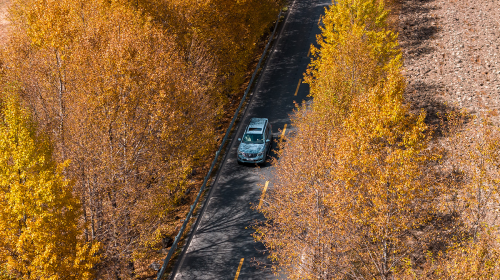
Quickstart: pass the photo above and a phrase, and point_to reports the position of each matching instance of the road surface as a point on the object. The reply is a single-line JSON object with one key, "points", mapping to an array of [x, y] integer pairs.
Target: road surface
{"points": [[221, 245]]}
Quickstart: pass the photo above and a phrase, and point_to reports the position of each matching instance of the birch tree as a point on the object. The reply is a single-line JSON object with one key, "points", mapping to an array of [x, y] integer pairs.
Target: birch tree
{"points": [[40, 237]]}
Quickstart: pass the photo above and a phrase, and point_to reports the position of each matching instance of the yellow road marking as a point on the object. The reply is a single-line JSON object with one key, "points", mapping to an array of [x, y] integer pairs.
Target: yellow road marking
{"points": [[263, 193], [239, 269], [309, 52], [298, 85], [284, 129]]}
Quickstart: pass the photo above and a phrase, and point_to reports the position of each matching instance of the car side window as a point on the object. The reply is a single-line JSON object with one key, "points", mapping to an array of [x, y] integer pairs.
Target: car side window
{"points": [[247, 138]]}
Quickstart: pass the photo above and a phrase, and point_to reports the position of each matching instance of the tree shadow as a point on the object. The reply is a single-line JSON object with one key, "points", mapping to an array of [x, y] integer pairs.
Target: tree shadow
{"points": [[442, 231], [417, 25], [422, 96]]}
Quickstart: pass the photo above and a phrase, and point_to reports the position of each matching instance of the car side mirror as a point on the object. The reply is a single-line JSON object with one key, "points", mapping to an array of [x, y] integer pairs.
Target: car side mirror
{"points": [[239, 139]]}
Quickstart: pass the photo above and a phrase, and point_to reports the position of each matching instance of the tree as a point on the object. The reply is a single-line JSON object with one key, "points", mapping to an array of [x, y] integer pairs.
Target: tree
{"points": [[224, 32], [474, 150], [40, 236], [132, 92], [473, 258], [470, 249], [354, 181]]}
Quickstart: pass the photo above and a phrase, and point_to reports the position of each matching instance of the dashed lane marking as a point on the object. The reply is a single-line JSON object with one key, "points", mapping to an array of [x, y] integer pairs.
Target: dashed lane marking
{"points": [[239, 269], [298, 86], [263, 194]]}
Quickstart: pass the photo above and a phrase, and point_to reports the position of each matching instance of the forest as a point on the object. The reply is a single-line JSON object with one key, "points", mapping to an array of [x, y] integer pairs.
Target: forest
{"points": [[108, 110]]}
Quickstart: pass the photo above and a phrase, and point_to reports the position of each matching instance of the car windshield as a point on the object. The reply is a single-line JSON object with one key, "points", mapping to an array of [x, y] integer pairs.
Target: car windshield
{"points": [[253, 139]]}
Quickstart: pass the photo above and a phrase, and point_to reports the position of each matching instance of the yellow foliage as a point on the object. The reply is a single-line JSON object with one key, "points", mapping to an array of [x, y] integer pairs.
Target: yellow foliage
{"points": [[224, 32], [472, 259], [131, 92], [39, 216], [352, 182], [474, 152]]}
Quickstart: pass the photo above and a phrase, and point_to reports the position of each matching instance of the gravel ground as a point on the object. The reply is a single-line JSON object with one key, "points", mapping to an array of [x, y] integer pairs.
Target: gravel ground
{"points": [[452, 61], [452, 55]]}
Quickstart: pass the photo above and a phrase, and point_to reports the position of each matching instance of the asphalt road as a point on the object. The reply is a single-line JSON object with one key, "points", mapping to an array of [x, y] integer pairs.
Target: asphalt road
{"points": [[222, 238]]}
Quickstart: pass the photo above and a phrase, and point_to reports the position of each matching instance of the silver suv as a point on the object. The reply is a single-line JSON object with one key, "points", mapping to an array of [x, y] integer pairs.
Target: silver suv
{"points": [[256, 142]]}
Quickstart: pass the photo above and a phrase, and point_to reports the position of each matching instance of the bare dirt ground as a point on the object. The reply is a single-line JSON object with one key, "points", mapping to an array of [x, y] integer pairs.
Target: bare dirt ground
{"points": [[452, 55], [451, 50], [4, 4]]}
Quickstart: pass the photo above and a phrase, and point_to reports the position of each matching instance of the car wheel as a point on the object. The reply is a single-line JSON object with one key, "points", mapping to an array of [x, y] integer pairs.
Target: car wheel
{"points": [[239, 162]]}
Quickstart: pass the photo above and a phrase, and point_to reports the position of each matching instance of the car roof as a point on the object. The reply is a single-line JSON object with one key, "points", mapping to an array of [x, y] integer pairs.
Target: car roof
{"points": [[256, 125]]}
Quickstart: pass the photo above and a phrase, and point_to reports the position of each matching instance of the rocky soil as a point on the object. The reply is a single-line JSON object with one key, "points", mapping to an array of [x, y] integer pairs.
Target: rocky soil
{"points": [[452, 61], [452, 54]]}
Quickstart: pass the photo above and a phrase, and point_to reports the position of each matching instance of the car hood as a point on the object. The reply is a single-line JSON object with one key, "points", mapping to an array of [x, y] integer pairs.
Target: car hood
{"points": [[250, 148]]}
